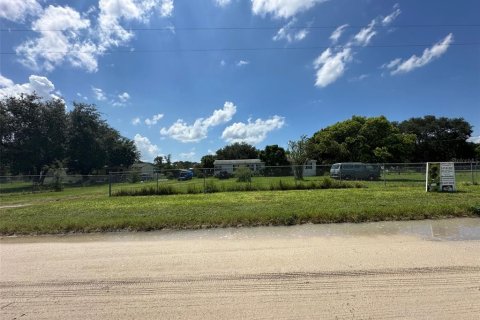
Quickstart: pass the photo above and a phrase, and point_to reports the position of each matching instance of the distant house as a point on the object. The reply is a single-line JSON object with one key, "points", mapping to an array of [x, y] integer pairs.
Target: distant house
{"points": [[231, 165], [145, 169], [310, 168]]}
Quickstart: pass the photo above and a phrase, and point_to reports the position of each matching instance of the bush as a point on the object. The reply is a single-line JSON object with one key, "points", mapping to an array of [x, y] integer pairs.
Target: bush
{"points": [[243, 174], [134, 177]]}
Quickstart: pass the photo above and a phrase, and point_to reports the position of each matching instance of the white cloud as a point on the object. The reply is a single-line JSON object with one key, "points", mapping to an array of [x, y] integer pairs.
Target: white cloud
{"points": [[184, 132], [330, 66], [223, 63], [252, 132], [474, 139], [136, 121], [332, 63], [147, 149], [18, 10], [59, 41], [99, 94], [65, 36], [166, 8], [242, 63], [113, 12], [211, 152], [397, 66], [124, 97], [40, 85], [391, 17], [222, 3], [337, 33], [359, 78], [364, 36], [121, 101], [154, 120], [282, 8], [286, 33], [82, 96]]}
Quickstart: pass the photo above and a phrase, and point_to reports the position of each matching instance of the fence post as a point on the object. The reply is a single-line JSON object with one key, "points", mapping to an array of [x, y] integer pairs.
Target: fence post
{"points": [[384, 175], [109, 184], [157, 181], [204, 180], [471, 171]]}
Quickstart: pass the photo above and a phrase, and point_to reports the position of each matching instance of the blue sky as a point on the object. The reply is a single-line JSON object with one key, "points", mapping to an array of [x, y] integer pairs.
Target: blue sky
{"points": [[188, 77]]}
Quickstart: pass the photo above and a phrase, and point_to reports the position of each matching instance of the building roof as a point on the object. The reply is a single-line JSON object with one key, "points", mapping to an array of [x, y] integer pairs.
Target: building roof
{"points": [[141, 164], [239, 161]]}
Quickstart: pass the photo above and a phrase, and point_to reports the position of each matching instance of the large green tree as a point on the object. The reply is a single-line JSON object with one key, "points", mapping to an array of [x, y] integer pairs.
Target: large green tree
{"points": [[238, 150], [93, 144], [362, 139], [33, 133], [273, 155], [439, 139], [207, 161]]}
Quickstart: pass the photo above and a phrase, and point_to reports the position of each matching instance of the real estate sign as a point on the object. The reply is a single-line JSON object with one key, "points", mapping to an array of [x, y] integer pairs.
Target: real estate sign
{"points": [[440, 176]]}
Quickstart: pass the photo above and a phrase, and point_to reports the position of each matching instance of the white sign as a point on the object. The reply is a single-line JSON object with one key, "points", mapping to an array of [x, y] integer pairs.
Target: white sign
{"points": [[447, 176], [440, 176]]}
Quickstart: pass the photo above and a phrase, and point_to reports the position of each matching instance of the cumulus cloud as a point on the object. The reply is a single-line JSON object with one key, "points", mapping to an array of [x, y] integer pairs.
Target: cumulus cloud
{"points": [[252, 132], [113, 12], [397, 66], [282, 8], [121, 100], [124, 97], [66, 36], [58, 41], [40, 85], [136, 121], [366, 34], [166, 8], [242, 63], [337, 33], [18, 10], [154, 120], [181, 131], [331, 64], [290, 35], [222, 3], [147, 149], [99, 94]]}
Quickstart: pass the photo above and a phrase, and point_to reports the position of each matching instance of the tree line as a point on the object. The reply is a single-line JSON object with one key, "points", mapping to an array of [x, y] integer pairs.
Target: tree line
{"points": [[37, 134], [368, 139]]}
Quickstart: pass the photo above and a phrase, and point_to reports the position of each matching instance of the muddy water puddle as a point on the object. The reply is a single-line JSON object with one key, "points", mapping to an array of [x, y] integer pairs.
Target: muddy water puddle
{"points": [[459, 229]]}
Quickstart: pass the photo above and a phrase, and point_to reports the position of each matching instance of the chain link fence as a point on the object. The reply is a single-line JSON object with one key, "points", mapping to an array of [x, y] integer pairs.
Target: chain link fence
{"points": [[240, 178], [243, 178], [49, 182]]}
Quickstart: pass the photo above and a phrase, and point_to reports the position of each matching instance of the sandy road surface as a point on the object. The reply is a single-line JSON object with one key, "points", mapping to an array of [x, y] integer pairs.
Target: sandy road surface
{"points": [[226, 275]]}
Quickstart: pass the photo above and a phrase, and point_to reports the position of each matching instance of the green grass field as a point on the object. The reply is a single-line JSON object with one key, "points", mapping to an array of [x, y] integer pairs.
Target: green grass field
{"points": [[89, 209]]}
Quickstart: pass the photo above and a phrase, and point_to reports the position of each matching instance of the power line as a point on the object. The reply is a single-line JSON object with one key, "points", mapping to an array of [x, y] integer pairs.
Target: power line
{"points": [[253, 49], [170, 28]]}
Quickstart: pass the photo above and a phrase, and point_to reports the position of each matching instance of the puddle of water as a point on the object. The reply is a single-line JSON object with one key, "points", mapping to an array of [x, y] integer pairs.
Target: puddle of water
{"points": [[440, 230], [15, 206]]}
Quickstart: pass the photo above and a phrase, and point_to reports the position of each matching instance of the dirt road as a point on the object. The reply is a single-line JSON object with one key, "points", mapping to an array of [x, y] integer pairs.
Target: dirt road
{"points": [[261, 273]]}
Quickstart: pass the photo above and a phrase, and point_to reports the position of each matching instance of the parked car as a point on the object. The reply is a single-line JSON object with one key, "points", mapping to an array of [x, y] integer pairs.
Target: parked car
{"points": [[355, 171], [185, 175]]}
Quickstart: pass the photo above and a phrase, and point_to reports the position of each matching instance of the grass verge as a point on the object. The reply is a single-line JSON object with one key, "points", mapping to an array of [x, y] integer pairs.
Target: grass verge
{"points": [[93, 211]]}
